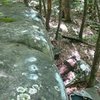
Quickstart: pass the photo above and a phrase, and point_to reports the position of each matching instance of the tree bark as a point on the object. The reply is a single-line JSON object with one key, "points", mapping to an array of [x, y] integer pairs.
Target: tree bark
{"points": [[96, 63], [49, 3], [66, 10], [43, 1], [40, 7], [83, 20], [26, 2], [60, 16]]}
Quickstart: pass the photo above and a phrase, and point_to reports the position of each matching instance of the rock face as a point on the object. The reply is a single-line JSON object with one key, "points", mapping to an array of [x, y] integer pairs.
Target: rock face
{"points": [[27, 70]]}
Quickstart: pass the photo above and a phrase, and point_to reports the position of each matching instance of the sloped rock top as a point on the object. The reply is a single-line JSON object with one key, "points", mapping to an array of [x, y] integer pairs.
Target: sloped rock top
{"points": [[20, 24], [26, 73]]}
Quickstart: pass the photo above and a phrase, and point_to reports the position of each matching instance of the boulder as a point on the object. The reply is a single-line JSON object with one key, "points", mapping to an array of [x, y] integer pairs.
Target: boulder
{"points": [[27, 69]]}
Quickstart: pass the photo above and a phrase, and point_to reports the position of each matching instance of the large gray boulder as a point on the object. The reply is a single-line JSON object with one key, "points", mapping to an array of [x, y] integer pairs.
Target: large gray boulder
{"points": [[27, 70]]}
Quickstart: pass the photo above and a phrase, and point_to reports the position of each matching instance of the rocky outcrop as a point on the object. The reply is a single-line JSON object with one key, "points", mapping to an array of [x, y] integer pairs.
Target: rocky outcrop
{"points": [[27, 70]]}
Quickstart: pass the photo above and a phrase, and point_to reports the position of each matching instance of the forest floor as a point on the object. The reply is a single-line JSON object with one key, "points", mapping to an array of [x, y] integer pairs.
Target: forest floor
{"points": [[69, 46], [65, 48]]}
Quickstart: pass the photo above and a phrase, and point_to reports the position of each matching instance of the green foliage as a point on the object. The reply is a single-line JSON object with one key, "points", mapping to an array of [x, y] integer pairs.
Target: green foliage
{"points": [[77, 4], [6, 2], [7, 19], [91, 39]]}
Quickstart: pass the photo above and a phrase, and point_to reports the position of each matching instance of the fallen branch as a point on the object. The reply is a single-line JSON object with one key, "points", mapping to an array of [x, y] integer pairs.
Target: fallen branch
{"points": [[77, 40], [75, 83]]}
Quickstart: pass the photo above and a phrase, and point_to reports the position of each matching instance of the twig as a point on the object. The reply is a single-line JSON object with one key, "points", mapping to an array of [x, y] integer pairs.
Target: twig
{"points": [[75, 83], [77, 40]]}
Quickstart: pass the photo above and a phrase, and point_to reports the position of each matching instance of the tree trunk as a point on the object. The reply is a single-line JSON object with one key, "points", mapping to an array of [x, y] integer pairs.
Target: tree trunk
{"points": [[26, 2], [60, 16], [40, 7], [48, 14], [96, 61], [43, 1], [83, 20], [66, 10], [98, 9]]}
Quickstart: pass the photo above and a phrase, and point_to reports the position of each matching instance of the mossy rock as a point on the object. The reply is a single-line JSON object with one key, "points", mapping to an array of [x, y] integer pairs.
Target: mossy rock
{"points": [[7, 19], [27, 69], [6, 2]]}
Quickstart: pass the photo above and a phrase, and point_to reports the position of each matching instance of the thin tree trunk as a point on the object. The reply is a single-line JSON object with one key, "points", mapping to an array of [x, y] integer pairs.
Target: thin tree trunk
{"points": [[83, 20], [98, 9], [60, 16], [96, 61], [66, 10], [43, 1], [40, 7], [68, 17], [48, 14], [26, 2]]}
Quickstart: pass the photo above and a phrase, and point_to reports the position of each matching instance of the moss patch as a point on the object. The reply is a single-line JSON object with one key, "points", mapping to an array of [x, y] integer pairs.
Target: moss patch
{"points": [[7, 19], [6, 2]]}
